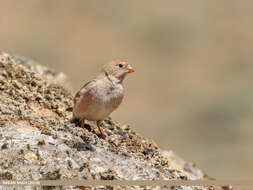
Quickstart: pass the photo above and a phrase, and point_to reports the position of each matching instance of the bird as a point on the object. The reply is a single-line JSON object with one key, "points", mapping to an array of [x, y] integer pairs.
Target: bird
{"points": [[99, 97]]}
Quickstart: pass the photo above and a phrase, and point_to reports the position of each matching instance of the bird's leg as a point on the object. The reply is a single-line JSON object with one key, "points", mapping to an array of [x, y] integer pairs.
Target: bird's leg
{"points": [[82, 123], [101, 133]]}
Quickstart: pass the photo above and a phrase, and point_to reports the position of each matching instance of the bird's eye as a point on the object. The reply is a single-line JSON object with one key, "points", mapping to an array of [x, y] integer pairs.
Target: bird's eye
{"points": [[120, 65]]}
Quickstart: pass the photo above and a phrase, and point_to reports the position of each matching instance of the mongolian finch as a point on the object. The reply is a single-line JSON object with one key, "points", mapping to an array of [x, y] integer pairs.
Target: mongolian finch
{"points": [[99, 97]]}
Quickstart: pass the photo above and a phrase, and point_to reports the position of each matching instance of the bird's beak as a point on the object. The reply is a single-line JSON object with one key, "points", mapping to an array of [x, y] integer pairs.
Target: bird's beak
{"points": [[130, 70]]}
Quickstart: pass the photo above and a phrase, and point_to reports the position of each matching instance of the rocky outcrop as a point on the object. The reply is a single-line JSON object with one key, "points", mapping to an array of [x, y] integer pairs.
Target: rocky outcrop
{"points": [[38, 141]]}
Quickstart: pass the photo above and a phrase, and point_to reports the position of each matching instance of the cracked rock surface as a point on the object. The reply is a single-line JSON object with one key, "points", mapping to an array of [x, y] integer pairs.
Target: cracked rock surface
{"points": [[38, 141]]}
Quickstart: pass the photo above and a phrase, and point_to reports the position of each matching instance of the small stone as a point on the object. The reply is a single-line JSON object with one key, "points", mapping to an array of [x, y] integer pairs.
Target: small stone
{"points": [[83, 146], [109, 133], [6, 176], [21, 151], [4, 58], [82, 167], [122, 133], [31, 156], [125, 127], [41, 142], [111, 127], [4, 146]]}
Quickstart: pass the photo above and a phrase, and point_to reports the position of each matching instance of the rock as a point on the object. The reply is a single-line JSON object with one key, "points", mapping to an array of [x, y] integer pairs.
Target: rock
{"points": [[38, 140], [46, 73], [30, 157]]}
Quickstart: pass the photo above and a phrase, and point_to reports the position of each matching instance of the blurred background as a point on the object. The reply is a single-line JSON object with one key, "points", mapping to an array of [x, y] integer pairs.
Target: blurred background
{"points": [[192, 90]]}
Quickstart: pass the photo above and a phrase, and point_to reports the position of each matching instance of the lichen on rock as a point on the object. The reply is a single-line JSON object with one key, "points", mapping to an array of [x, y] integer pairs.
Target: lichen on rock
{"points": [[38, 141]]}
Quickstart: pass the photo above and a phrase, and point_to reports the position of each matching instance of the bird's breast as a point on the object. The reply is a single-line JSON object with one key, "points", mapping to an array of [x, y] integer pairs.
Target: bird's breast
{"points": [[110, 94], [105, 101]]}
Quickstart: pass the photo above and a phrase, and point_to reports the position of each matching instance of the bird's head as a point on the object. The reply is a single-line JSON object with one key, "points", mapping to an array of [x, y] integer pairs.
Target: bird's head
{"points": [[118, 69]]}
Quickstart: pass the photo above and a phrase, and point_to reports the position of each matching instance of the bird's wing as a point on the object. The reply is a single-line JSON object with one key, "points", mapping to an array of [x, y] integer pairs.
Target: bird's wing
{"points": [[86, 87]]}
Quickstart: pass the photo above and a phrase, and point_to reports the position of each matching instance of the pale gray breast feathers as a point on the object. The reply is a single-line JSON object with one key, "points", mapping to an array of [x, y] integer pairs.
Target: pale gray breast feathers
{"points": [[107, 92]]}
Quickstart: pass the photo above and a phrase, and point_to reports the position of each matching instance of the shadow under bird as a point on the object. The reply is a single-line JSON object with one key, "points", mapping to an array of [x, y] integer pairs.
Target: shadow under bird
{"points": [[99, 97]]}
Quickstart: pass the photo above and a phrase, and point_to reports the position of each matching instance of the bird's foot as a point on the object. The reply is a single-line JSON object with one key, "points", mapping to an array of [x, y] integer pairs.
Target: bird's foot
{"points": [[101, 133]]}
